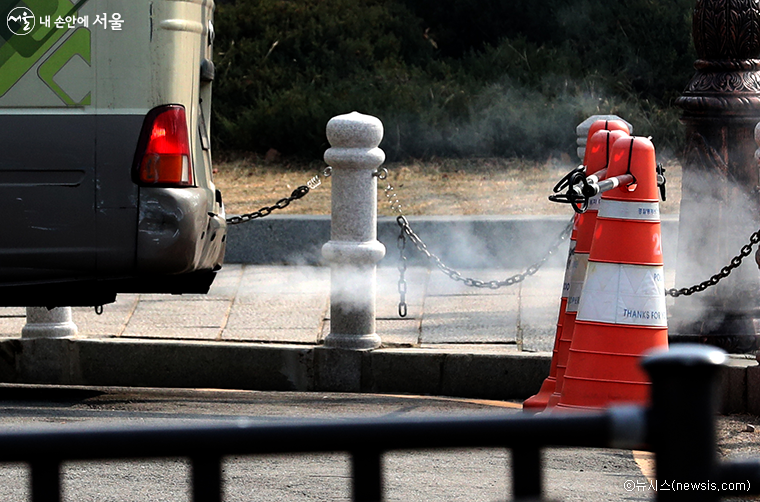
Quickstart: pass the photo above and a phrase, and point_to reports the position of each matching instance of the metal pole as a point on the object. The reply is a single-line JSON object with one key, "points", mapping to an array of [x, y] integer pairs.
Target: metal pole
{"points": [[527, 475], [45, 482], [353, 250], [207, 478], [42, 322], [685, 398], [367, 473]]}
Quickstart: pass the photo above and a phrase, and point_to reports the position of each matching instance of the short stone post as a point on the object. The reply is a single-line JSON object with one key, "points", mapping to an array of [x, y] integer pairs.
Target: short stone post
{"points": [[582, 131], [353, 250], [52, 323]]}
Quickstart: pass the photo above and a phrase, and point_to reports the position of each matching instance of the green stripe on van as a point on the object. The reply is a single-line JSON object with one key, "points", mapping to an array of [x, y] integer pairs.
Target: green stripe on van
{"points": [[19, 53], [77, 44]]}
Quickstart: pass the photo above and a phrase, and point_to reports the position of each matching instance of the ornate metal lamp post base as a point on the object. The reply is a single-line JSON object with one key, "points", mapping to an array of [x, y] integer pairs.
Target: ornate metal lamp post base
{"points": [[720, 203], [735, 333]]}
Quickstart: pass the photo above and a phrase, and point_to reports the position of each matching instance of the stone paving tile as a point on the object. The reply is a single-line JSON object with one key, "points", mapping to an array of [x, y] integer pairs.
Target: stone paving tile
{"points": [[227, 282], [286, 303], [190, 297], [400, 331], [173, 333], [392, 332], [265, 312], [470, 319], [12, 320], [480, 348], [271, 335], [540, 297], [111, 322], [538, 323], [273, 279], [12, 312], [178, 319]]}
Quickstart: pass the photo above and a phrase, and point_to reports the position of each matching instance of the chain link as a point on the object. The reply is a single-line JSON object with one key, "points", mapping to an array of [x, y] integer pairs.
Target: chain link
{"points": [[475, 283], [402, 306], [298, 193], [406, 232], [724, 272]]}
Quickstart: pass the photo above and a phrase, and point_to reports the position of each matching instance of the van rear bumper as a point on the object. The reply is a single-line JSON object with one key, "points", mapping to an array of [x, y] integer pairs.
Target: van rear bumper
{"points": [[175, 232], [179, 248]]}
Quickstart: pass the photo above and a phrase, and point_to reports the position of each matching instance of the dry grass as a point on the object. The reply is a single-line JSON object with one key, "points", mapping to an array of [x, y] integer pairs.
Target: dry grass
{"points": [[436, 187]]}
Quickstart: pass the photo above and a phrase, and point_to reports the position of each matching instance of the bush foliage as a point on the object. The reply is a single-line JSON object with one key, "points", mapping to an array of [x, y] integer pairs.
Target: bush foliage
{"points": [[447, 78]]}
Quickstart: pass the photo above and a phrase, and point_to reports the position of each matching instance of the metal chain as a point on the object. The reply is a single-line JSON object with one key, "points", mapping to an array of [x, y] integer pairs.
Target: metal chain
{"points": [[402, 306], [724, 272], [475, 283], [298, 193], [407, 232]]}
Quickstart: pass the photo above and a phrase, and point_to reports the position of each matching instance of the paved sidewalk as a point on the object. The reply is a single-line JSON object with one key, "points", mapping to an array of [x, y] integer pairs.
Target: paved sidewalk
{"points": [[289, 304], [261, 327]]}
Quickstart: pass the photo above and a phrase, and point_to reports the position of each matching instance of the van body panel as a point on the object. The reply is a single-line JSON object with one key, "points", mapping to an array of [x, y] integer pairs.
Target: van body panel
{"points": [[73, 101], [47, 191]]}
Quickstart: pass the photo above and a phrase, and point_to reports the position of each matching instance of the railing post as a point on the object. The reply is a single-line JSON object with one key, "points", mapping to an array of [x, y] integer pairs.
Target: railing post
{"points": [[45, 482], [207, 478], [42, 322], [353, 250], [527, 475], [685, 398], [367, 474]]}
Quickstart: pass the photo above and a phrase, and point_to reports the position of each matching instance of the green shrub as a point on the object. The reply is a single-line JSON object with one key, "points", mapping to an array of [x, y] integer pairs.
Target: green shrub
{"points": [[286, 66], [447, 78]]}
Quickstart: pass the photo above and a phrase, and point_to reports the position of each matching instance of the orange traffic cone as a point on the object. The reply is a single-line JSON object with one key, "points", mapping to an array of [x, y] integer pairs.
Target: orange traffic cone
{"points": [[539, 401], [622, 307], [606, 125], [597, 156]]}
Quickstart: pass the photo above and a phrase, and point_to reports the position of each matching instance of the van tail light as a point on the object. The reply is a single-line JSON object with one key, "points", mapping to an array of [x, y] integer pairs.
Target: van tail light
{"points": [[163, 151]]}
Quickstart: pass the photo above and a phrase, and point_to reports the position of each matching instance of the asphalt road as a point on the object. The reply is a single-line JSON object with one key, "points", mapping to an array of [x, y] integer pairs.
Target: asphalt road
{"points": [[472, 475]]}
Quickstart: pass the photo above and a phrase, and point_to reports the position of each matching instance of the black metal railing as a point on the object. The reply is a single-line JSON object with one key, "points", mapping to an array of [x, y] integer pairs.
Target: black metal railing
{"points": [[680, 428]]}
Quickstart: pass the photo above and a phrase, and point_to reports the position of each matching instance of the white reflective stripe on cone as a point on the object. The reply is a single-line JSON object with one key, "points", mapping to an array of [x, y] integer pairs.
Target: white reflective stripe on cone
{"points": [[576, 282], [568, 270], [623, 210], [617, 293], [593, 202]]}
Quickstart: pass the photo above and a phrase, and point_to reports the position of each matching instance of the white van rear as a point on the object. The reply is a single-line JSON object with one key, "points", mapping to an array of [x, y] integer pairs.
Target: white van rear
{"points": [[105, 177]]}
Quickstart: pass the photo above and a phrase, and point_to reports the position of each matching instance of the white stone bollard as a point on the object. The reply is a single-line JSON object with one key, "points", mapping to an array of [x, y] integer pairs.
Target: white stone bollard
{"points": [[353, 250], [44, 323], [582, 131]]}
